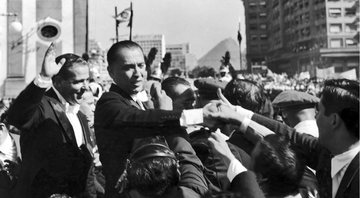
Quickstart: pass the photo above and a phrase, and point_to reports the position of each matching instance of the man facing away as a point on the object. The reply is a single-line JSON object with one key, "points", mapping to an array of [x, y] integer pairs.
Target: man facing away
{"points": [[55, 138]]}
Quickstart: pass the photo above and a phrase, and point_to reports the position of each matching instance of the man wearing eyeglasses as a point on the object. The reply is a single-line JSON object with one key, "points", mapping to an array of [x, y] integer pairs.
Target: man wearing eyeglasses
{"points": [[55, 138]]}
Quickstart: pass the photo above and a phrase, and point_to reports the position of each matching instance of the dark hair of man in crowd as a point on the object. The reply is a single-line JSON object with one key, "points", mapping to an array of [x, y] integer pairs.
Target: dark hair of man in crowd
{"points": [[152, 168], [114, 50], [278, 167], [169, 83], [70, 61], [154, 176], [341, 96], [249, 94]]}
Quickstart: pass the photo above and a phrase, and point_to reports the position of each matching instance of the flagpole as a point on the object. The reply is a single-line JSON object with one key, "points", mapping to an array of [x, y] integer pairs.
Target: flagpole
{"points": [[116, 26], [131, 20]]}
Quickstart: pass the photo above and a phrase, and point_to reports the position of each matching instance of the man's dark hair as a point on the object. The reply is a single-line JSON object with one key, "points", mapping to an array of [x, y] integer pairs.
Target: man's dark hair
{"points": [[280, 167], [245, 93], [169, 83], [152, 168], [115, 48], [341, 96], [70, 60]]}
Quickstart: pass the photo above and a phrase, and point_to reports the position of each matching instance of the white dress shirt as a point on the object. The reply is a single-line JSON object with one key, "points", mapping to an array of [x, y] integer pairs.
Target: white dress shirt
{"points": [[308, 126], [339, 164]]}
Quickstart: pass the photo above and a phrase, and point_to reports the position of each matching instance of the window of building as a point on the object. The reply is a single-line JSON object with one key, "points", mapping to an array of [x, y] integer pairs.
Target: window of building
{"points": [[263, 4], [335, 28], [263, 37], [252, 4], [334, 12], [252, 15], [336, 43], [350, 28], [262, 14], [263, 26], [350, 42], [253, 26], [254, 37], [350, 12]]}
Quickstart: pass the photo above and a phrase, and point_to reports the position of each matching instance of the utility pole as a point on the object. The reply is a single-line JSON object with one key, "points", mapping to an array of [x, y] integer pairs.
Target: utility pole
{"points": [[116, 26]]}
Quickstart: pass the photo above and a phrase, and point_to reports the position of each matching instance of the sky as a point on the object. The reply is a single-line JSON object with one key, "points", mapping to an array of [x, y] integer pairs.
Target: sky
{"points": [[202, 23]]}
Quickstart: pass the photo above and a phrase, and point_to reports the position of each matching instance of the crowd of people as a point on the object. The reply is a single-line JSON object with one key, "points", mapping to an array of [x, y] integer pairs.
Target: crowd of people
{"points": [[145, 138]]}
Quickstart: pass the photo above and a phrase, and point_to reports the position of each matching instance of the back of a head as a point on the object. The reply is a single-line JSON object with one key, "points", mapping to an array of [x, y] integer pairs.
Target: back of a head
{"points": [[278, 165], [115, 48], [342, 96], [245, 93], [152, 169], [169, 83]]}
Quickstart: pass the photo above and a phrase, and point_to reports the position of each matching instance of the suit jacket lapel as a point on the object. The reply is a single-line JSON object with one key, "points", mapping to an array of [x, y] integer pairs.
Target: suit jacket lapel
{"points": [[62, 118], [125, 96], [351, 172]]}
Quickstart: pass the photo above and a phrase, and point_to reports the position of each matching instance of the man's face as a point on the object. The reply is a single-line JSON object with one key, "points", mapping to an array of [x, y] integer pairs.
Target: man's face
{"points": [[323, 122], [185, 97], [74, 87], [129, 71]]}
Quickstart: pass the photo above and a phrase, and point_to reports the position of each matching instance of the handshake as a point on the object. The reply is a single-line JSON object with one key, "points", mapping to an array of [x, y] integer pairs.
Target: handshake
{"points": [[223, 115]]}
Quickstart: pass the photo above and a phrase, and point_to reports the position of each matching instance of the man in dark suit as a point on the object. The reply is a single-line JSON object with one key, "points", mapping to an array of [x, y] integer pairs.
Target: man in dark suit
{"points": [[56, 155], [121, 116], [335, 155]]}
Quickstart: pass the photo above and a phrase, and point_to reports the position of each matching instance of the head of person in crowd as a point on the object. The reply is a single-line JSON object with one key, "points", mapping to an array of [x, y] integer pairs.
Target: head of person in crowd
{"points": [[127, 66], [207, 90], [87, 107], [225, 74], [152, 169], [72, 79], [338, 115], [278, 167], [298, 110], [248, 94], [180, 91]]}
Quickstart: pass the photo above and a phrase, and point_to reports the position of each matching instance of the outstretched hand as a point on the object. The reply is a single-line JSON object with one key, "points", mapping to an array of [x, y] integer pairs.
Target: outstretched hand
{"points": [[49, 67]]}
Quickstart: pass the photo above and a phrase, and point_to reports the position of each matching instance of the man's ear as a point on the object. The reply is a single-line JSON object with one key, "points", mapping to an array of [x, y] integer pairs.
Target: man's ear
{"points": [[110, 71], [336, 120]]}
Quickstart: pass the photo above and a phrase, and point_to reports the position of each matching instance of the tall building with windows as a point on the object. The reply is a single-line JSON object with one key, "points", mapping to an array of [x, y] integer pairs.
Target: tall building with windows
{"points": [[256, 31], [149, 41], [22, 50], [181, 57], [305, 34]]}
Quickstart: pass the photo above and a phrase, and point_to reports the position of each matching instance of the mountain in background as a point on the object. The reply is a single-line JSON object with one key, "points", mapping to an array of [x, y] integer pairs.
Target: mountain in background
{"points": [[213, 57]]}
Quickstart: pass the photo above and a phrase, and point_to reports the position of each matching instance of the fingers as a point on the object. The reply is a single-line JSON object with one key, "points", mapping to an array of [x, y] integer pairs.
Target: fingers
{"points": [[156, 90], [62, 62], [222, 97]]}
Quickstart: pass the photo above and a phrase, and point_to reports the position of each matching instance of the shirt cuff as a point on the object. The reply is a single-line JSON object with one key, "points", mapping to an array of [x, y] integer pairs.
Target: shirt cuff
{"points": [[244, 112], [42, 82], [234, 169], [191, 117]]}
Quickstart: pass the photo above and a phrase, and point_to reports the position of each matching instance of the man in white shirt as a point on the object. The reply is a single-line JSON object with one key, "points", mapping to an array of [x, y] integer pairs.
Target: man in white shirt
{"points": [[298, 111], [55, 138]]}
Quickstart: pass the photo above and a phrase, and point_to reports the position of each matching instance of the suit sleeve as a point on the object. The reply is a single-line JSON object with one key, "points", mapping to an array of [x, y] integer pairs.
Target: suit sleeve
{"points": [[27, 109], [190, 165], [245, 184], [306, 144]]}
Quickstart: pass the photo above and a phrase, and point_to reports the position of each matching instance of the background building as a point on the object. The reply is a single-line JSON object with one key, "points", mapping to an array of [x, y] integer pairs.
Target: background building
{"points": [[21, 52], [305, 34], [149, 41], [181, 58], [256, 31]]}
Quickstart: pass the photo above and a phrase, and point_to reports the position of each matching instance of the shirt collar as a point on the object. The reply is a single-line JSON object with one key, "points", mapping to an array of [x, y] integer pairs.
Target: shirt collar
{"points": [[74, 109], [141, 96], [340, 161]]}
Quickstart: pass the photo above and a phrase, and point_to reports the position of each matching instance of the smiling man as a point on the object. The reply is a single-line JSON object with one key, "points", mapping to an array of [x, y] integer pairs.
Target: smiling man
{"points": [[55, 138]]}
